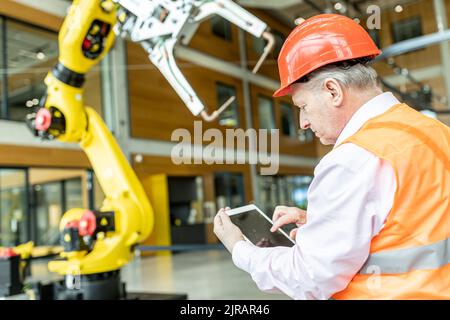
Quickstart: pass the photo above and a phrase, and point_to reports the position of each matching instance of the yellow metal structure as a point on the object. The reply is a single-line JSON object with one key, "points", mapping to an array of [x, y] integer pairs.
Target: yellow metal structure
{"points": [[124, 194], [158, 192], [24, 250]]}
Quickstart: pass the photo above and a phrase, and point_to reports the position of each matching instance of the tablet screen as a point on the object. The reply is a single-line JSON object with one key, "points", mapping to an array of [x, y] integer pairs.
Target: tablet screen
{"points": [[257, 229]]}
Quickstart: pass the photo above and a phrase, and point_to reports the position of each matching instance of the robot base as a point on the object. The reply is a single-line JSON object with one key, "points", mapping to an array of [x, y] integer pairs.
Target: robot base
{"points": [[99, 286]]}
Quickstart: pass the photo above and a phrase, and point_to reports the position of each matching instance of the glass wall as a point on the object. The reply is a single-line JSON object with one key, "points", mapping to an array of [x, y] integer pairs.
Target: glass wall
{"points": [[73, 193], [13, 207], [283, 190], [54, 191], [229, 117], [27, 54], [49, 209], [221, 27], [288, 126], [31, 52], [33, 200], [406, 29], [3, 84], [229, 189], [266, 113]]}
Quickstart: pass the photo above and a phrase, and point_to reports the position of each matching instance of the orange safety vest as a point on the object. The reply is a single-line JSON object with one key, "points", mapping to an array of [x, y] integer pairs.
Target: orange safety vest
{"points": [[410, 257]]}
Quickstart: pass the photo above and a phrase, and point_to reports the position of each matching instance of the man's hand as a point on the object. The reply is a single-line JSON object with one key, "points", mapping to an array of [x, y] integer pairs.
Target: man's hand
{"points": [[228, 233], [285, 215]]}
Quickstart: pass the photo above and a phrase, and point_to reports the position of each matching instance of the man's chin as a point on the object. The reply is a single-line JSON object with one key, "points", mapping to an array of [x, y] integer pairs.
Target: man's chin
{"points": [[326, 142]]}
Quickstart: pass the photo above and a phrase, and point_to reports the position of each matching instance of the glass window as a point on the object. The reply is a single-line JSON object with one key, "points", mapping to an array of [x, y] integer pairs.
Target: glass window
{"points": [[52, 199], [49, 209], [229, 117], [288, 126], [266, 114], [55, 191], [375, 35], [406, 29], [3, 102], [34, 213], [229, 188], [298, 190], [221, 27], [31, 53], [268, 194], [73, 194], [13, 207], [283, 190]]}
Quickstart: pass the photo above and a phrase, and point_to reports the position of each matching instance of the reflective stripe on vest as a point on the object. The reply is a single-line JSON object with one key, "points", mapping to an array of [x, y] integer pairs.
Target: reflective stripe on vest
{"points": [[431, 256]]}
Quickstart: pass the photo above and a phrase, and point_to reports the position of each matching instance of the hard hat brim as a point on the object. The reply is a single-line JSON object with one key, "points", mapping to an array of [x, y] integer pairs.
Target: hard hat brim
{"points": [[283, 91]]}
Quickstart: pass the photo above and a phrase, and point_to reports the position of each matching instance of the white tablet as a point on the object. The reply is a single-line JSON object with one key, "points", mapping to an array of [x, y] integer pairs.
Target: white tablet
{"points": [[255, 226]]}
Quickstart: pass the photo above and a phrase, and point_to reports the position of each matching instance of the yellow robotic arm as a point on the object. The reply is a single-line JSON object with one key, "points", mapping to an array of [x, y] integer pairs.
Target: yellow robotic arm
{"points": [[101, 241], [97, 244]]}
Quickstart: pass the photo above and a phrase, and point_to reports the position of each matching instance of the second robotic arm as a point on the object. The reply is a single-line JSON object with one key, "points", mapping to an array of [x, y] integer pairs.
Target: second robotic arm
{"points": [[158, 25]]}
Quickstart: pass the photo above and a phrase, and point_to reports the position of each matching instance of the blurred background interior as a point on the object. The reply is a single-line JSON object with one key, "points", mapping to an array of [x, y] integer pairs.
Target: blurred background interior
{"points": [[40, 181]]}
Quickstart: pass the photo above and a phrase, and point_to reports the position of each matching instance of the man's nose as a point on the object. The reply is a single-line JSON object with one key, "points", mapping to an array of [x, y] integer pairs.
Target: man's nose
{"points": [[304, 123]]}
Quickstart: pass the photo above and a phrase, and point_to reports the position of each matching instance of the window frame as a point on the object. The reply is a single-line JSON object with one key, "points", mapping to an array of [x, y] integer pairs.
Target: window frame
{"points": [[4, 19], [29, 209], [234, 104], [29, 219], [228, 28], [402, 23], [293, 124], [272, 102]]}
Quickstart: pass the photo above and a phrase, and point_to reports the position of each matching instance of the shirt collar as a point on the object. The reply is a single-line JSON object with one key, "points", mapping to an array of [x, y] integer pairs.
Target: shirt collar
{"points": [[372, 108]]}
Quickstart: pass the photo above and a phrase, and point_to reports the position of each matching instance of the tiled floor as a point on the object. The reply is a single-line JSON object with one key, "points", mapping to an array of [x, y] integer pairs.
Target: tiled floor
{"points": [[201, 274]]}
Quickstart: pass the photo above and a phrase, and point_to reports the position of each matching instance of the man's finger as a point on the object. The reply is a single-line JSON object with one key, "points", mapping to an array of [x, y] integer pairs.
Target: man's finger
{"points": [[279, 211], [301, 220], [277, 215], [293, 233], [218, 219], [224, 217], [286, 219]]}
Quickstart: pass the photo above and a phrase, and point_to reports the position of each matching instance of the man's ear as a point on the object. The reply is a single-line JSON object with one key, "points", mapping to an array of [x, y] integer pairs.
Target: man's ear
{"points": [[335, 90]]}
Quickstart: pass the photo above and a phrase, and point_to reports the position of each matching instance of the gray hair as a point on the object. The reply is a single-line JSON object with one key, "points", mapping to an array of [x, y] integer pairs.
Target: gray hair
{"points": [[359, 75]]}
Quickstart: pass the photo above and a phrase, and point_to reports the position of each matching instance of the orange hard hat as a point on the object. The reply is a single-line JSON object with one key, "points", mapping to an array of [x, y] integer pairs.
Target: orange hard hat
{"points": [[318, 41]]}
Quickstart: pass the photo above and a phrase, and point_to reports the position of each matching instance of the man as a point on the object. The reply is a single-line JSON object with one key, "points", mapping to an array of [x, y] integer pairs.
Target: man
{"points": [[378, 216]]}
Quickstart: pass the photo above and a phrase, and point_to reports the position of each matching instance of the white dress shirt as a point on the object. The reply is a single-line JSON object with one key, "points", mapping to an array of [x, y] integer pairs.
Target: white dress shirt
{"points": [[348, 201]]}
